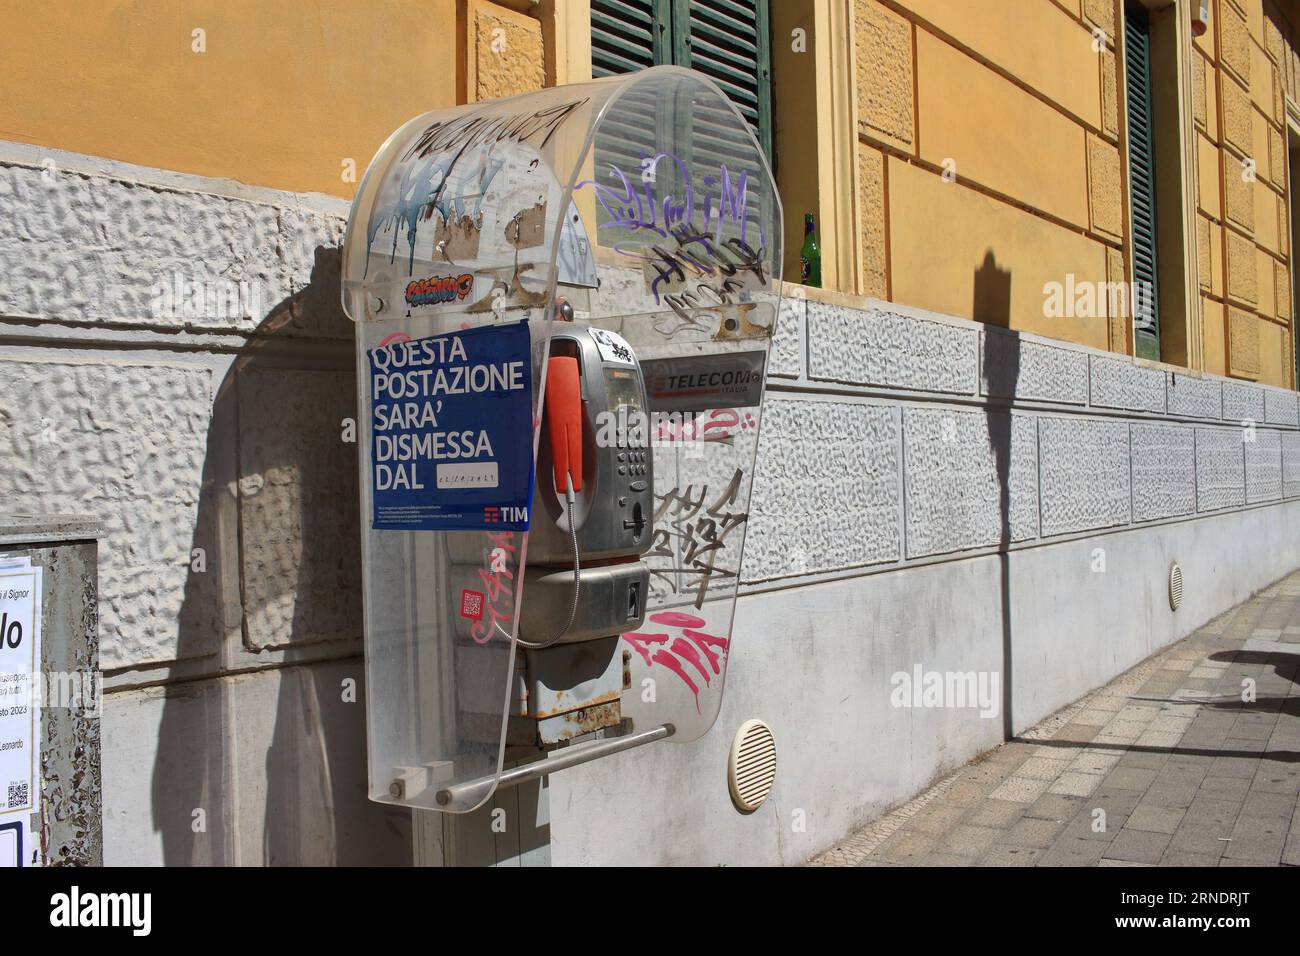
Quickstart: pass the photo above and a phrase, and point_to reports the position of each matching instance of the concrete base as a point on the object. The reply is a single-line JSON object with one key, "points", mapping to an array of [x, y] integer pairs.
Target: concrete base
{"points": [[265, 768]]}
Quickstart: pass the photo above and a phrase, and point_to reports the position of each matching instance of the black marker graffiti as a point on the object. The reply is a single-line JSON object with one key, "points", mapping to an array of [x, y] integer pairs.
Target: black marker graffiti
{"points": [[467, 131], [700, 537]]}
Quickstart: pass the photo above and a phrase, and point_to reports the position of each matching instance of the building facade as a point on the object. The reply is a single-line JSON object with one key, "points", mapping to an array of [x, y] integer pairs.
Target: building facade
{"points": [[1052, 354]]}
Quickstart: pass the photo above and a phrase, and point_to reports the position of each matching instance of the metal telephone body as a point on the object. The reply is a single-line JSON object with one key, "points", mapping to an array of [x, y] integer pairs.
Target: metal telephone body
{"points": [[612, 512], [617, 498]]}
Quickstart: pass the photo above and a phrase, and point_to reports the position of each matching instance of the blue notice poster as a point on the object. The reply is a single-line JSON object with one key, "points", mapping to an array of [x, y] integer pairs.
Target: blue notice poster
{"points": [[451, 431]]}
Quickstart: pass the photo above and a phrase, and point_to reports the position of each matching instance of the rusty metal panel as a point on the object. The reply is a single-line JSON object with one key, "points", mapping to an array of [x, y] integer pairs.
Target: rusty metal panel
{"points": [[574, 689], [71, 813], [579, 723]]}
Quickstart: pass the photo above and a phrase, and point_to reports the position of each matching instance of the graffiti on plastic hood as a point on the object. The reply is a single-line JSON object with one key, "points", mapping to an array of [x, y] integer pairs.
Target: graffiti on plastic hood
{"points": [[698, 252], [445, 176]]}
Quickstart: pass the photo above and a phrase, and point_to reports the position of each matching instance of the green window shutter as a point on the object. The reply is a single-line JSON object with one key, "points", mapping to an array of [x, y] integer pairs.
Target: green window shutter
{"points": [[729, 42], [1142, 181], [726, 40], [628, 35]]}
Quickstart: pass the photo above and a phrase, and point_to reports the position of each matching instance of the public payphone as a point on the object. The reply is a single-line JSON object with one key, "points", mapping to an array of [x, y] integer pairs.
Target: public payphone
{"points": [[564, 303]]}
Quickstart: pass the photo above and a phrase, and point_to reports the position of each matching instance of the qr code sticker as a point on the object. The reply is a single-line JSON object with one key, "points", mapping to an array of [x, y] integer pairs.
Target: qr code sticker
{"points": [[18, 795], [471, 605]]}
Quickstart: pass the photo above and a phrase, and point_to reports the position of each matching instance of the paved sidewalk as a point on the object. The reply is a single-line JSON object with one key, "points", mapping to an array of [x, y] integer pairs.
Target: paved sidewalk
{"points": [[1166, 766]]}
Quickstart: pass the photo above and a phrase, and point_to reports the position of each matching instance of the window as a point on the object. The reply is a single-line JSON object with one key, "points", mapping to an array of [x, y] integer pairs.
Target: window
{"points": [[726, 40], [1157, 140], [1142, 181]]}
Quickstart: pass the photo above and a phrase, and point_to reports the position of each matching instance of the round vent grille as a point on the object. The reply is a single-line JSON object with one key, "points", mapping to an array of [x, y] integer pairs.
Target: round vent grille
{"points": [[1175, 586], [752, 767]]}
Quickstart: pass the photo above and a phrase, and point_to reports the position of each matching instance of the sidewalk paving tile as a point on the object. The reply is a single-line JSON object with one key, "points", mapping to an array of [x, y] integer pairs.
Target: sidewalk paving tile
{"points": [[1154, 818], [1137, 846]]}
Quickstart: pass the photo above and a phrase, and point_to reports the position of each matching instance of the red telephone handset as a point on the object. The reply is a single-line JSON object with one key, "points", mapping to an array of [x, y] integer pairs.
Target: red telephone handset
{"points": [[564, 420]]}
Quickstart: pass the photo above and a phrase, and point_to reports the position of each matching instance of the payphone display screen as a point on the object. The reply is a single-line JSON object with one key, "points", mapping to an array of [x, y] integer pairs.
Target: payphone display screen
{"points": [[623, 388]]}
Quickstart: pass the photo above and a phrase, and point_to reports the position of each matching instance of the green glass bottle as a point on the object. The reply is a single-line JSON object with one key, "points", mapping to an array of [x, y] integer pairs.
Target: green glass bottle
{"points": [[810, 256]]}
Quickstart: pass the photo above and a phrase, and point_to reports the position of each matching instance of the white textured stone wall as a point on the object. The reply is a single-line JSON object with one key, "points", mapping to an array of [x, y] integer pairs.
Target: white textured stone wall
{"points": [[124, 441], [845, 453], [92, 248], [989, 439], [958, 489], [205, 435]]}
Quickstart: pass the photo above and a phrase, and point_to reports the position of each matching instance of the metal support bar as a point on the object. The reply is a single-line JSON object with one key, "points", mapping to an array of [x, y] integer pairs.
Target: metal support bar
{"points": [[569, 757]]}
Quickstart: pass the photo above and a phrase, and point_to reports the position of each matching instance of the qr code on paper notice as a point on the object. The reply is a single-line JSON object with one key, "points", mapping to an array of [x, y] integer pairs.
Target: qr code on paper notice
{"points": [[18, 795]]}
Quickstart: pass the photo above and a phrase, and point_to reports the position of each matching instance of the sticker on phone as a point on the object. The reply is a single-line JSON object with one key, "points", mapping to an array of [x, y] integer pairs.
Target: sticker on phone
{"points": [[613, 347]]}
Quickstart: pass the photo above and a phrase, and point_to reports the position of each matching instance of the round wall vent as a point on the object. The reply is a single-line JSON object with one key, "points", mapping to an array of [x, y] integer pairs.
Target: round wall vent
{"points": [[1175, 586], [752, 768]]}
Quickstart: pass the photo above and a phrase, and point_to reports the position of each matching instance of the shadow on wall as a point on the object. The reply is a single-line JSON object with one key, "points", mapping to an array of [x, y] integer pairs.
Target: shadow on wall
{"points": [[269, 766], [1000, 368]]}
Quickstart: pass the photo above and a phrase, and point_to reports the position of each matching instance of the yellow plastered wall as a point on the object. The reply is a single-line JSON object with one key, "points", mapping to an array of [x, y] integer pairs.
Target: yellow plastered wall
{"points": [[982, 154], [285, 94], [1246, 65], [989, 167]]}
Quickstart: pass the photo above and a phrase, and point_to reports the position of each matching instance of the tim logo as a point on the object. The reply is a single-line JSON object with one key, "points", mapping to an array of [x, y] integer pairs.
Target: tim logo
{"points": [[494, 515], [438, 289]]}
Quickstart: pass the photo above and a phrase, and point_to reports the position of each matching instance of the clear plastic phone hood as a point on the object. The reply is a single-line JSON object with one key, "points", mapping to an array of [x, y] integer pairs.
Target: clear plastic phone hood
{"points": [[540, 570]]}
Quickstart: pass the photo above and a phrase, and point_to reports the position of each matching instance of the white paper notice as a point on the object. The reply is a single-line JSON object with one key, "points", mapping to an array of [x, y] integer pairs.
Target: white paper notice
{"points": [[478, 474], [20, 667]]}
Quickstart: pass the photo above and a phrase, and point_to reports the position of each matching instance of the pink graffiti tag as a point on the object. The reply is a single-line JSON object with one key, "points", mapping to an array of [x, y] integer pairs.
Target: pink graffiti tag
{"points": [[693, 646], [498, 583]]}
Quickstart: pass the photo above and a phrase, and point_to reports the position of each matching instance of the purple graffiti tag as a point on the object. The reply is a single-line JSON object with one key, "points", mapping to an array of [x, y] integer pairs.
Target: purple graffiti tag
{"points": [[681, 239]]}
